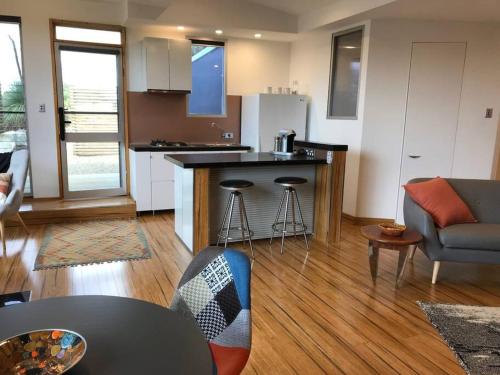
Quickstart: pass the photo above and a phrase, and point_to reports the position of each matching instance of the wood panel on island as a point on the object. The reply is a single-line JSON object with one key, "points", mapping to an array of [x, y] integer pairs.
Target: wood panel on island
{"points": [[200, 204]]}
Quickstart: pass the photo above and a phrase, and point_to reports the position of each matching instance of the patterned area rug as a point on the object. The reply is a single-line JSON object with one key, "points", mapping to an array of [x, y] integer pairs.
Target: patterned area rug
{"points": [[92, 242], [472, 332]]}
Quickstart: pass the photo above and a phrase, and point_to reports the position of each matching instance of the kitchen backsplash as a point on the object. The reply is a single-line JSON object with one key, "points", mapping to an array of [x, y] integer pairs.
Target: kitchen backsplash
{"points": [[164, 116]]}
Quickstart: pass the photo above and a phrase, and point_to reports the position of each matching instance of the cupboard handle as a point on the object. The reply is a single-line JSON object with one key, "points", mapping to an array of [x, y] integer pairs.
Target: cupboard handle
{"points": [[415, 156]]}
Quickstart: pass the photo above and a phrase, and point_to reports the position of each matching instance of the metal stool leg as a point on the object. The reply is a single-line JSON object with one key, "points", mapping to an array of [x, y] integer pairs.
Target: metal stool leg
{"points": [[244, 215], [294, 223], [301, 219], [221, 229], [240, 208], [284, 221], [230, 219], [278, 215]]}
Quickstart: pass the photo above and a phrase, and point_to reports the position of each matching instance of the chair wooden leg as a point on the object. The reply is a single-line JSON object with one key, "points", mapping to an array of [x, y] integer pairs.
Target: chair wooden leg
{"points": [[435, 272], [22, 223], [373, 259], [412, 252], [2, 233]]}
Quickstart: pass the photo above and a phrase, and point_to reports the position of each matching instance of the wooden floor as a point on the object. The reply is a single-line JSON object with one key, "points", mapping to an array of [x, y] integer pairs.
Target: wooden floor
{"points": [[311, 314]]}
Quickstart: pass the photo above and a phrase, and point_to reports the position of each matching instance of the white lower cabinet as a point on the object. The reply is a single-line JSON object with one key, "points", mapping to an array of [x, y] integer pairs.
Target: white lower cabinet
{"points": [[162, 195], [161, 169], [152, 179], [140, 179]]}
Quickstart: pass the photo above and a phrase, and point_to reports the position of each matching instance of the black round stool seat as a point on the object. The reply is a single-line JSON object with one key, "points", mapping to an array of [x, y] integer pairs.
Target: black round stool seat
{"points": [[290, 181], [235, 184]]}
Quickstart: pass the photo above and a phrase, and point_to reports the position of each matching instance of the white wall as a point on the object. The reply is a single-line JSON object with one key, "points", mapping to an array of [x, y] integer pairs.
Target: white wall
{"points": [[35, 17], [310, 66], [385, 107], [252, 65]]}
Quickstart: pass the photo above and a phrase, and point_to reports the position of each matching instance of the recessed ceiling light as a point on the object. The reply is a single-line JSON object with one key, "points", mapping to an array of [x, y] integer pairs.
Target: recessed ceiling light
{"points": [[258, 36], [349, 47], [180, 28], [219, 32]]}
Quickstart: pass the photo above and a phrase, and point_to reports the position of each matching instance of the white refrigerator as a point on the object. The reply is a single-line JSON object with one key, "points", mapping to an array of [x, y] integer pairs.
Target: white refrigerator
{"points": [[264, 115]]}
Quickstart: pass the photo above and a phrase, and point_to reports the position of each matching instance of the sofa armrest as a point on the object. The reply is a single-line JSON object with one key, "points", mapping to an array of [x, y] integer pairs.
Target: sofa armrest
{"points": [[416, 218], [11, 205]]}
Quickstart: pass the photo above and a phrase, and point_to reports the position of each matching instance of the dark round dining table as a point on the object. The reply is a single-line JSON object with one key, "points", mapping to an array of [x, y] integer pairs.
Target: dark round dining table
{"points": [[124, 336]]}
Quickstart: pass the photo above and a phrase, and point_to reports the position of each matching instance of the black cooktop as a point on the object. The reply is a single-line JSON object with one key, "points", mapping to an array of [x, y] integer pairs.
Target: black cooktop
{"points": [[163, 143]]}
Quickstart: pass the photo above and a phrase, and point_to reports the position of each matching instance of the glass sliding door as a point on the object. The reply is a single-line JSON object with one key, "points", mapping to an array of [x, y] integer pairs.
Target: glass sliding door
{"points": [[13, 128], [90, 108]]}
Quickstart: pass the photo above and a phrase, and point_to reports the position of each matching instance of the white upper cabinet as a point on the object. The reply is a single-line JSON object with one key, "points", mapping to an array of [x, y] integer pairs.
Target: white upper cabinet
{"points": [[166, 64], [180, 64]]}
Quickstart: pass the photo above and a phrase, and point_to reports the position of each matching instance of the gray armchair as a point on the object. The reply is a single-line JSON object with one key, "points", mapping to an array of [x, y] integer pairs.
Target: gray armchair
{"points": [[472, 243], [19, 169]]}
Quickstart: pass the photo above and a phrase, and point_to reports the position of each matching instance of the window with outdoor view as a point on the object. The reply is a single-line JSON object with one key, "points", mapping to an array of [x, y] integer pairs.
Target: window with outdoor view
{"points": [[13, 132], [344, 75], [208, 93]]}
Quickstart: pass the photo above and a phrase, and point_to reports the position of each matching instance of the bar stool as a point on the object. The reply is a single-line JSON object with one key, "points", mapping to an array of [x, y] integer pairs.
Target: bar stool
{"points": [[289, 184], [235, 187]]}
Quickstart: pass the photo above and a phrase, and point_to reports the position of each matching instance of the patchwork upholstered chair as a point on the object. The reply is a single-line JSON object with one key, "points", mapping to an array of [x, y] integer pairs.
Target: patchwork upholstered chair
{"points": [[215, 292]]}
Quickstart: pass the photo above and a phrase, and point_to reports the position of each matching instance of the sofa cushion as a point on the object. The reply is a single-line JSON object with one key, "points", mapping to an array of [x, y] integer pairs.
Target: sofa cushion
{"points": [[471, 236], [438, 198], [4, 186]]}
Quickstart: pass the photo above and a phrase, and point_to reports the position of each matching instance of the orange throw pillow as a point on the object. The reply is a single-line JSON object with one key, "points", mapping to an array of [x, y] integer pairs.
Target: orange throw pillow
{"points": [[438, 198]]}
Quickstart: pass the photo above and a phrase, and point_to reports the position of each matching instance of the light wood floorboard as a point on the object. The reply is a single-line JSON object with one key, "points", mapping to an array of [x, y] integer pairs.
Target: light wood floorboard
{"points": [[312, 314]]}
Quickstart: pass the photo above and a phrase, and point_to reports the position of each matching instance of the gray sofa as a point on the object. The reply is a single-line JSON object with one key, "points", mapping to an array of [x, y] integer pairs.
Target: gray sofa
{"points": [[473, 243], [19, 168]]}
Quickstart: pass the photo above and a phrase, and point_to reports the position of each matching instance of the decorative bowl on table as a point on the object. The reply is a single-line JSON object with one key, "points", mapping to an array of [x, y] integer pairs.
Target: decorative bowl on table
{"points": [[44, 352], [394, 230]]}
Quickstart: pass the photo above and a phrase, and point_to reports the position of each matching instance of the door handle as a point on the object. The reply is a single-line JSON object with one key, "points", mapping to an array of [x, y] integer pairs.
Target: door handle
{"points": [[415, 156], [62, 124]]}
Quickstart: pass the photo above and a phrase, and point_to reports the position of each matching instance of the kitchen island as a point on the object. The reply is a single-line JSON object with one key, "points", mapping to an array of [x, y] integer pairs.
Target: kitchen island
{"points": [[200, 203]]}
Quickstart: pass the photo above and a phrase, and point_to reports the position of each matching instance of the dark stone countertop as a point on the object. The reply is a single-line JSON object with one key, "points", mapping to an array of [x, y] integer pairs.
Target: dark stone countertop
{"points": [[320, 146], [248, 159], [143, 147]]}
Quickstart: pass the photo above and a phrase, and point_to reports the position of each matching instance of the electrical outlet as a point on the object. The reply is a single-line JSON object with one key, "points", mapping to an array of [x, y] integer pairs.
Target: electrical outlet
{"points": [[41, 108], [227, 135], [489, 113]]}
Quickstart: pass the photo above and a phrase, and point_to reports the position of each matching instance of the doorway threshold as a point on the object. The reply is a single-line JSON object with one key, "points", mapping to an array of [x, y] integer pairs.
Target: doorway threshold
{"points": [[46, 211]]}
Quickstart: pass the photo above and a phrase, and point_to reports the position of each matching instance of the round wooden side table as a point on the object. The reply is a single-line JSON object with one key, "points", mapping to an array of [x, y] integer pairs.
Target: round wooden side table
{"points": [[406, 244]]}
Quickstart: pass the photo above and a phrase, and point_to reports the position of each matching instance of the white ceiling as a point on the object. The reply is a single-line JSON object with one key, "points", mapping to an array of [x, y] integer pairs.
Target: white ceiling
{"points": [[296, 7], [432, 10], [441, 10], [281, 20], [458, 10]]}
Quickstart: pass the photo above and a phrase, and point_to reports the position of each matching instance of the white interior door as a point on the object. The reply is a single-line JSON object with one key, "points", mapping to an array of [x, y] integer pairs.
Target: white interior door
{"points": [[433, 104]]}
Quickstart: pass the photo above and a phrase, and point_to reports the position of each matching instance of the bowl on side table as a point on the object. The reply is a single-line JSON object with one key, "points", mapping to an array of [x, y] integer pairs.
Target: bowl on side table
{"points": [[392, 229]]}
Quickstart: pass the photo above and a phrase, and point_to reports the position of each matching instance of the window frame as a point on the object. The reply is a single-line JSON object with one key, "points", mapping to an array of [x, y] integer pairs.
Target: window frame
{"points": [[214, 43], [333, 60], [53, 23], [17, 20]]}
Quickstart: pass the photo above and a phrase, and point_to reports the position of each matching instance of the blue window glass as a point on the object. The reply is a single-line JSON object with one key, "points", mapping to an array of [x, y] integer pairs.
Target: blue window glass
{"points": [[208, 89]]}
